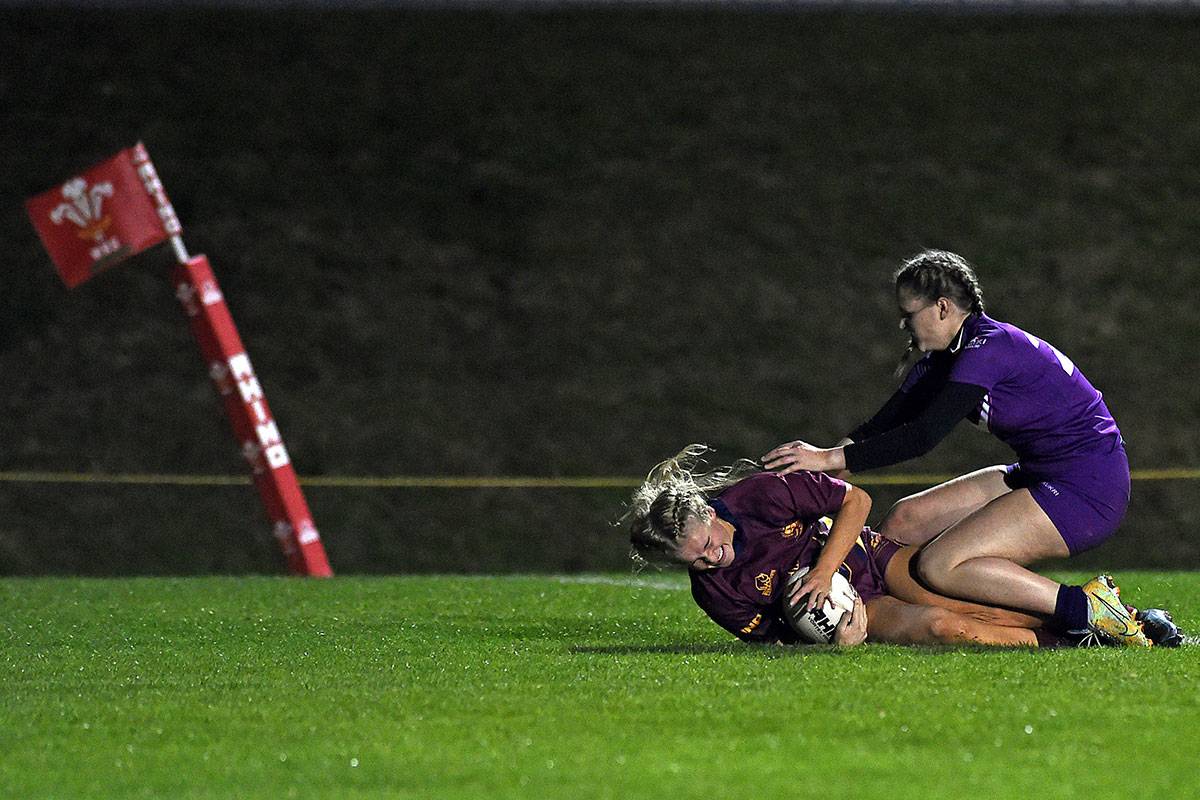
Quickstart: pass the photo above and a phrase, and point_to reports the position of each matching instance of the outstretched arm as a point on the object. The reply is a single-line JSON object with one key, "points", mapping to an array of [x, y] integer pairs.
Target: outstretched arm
{"points": [[910, 440], [919, 387], [896, 411]]}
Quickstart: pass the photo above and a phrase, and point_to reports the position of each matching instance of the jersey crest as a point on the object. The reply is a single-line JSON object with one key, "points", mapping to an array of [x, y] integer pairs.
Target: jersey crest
{"points": [[765, 582]]}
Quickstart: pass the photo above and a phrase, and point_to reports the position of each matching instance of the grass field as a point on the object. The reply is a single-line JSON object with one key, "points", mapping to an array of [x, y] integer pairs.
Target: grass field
{"points": [[587, 686]]}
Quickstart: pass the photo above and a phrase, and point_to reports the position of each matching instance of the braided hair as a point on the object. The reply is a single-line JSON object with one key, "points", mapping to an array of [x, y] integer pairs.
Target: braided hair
{"points": [[674, 491], [931, 274]]}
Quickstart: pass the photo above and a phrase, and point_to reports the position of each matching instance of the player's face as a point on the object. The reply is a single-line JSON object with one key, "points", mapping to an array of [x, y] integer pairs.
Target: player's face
{"points": [[707, 542], [925, 321]]}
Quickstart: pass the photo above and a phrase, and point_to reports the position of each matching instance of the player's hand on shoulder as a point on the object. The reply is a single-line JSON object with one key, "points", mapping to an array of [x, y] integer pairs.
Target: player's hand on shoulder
{"points": [[852, 628]]}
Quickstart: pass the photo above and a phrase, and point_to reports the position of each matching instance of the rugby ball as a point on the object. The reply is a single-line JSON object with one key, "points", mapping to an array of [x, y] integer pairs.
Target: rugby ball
{"points": [[817, 626]]}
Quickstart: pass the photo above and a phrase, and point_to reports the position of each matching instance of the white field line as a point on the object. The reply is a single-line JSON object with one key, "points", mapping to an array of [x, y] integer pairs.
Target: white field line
{"points": [[665, 583], [630, 582]]}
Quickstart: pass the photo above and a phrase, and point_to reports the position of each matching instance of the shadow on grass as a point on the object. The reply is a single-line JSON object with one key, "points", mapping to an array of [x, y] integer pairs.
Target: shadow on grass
{"points": [[671, 649], [786, 651], [732, 648]]}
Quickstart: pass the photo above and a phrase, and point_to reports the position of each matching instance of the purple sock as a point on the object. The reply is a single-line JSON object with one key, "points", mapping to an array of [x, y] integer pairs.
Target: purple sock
{"points": [[1070, 610]]}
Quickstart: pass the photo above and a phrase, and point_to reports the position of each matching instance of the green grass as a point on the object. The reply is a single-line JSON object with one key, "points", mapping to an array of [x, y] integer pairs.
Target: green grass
{"points": [[547, 687]]}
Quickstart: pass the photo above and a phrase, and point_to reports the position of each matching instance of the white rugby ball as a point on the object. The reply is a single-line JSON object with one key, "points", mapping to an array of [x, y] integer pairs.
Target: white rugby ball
{"points": [[817, 626]]}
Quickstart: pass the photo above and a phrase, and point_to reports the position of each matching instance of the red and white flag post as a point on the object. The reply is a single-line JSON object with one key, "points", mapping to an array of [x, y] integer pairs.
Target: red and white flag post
{"points": [[119, 208]]}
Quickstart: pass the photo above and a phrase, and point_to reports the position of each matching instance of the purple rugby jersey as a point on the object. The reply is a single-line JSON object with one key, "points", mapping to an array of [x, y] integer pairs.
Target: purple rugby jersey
{"points": [[1037, 401], [778, 530]]}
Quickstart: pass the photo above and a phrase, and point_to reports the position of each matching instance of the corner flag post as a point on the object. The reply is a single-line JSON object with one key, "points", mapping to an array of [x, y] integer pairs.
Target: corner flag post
{"points": [[140, 217], [253, 426]]}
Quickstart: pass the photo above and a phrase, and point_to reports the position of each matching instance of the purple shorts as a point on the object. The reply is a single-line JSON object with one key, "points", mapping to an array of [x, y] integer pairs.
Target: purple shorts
{"points": [[865, 573], [880, 549], [1086, 500]]}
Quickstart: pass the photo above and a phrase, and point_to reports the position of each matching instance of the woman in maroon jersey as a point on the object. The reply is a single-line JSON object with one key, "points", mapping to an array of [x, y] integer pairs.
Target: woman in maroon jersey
{"points": [[742, 532]]}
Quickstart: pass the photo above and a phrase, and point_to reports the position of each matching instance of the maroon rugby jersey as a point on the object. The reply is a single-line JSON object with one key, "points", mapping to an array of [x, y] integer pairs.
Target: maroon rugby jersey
{"points": [[777, 531]]}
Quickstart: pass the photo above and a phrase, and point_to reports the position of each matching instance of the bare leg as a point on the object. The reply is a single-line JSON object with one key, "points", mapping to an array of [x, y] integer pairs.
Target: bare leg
{"points": [[981, 557], [901, 585], [895, 622], [919, 517]]}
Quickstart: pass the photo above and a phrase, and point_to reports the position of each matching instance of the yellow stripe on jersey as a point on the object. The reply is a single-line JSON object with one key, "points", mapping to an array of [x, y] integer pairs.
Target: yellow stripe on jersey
{"points": [[828, 523]]}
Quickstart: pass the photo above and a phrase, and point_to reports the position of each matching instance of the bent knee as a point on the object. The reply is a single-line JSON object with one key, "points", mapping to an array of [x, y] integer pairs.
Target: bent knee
{"points": [[933, 566], [946, 626], [902, 523]]}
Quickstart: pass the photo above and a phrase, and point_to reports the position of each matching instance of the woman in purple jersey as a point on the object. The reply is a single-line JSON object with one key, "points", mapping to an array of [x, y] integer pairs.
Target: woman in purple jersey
{"points": [[1067, 492], [742, 532]]}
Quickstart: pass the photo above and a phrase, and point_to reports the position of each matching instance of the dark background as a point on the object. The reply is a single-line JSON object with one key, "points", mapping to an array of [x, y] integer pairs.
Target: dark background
{"points": [[568, 243]]}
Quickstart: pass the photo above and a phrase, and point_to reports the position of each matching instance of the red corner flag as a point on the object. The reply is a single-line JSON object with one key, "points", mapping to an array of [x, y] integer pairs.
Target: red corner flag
{"points": [[103, 216], [119, 208]]}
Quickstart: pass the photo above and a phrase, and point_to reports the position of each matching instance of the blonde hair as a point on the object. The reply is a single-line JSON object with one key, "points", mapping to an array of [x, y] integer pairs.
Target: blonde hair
{"points": [[673, 491]]}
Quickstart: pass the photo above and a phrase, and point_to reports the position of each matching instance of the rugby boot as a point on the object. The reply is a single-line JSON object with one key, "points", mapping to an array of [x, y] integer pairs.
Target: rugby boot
{"points": [[1107, 616], [1159, 627]]}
